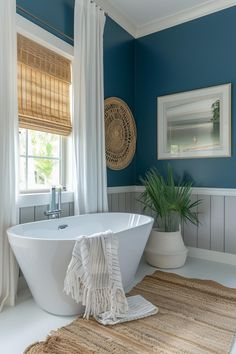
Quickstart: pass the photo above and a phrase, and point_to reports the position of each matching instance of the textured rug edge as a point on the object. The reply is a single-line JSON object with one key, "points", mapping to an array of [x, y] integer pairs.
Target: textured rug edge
{"points": [[53, 337]]}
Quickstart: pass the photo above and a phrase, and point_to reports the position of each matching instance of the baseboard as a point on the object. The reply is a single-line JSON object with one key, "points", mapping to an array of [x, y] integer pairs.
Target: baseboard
{"points": [[214, 256]]}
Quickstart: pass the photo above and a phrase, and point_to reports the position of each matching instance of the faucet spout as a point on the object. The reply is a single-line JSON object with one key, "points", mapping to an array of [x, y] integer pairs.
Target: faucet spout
{"points": [[53, 198], [55, 207], [59, 198]]}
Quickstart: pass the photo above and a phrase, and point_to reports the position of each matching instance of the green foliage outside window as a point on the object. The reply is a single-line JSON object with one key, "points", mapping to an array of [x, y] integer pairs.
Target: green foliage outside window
{"points": [[43, 146]]}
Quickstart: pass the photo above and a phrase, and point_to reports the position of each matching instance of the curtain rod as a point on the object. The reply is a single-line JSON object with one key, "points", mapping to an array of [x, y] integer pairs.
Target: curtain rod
{"points": [[45, 23], [94, 2]]}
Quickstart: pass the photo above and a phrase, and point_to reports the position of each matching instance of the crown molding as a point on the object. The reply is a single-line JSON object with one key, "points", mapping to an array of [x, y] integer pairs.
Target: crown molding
{"points": [[184, 16], [163, 23], [118, 16]]}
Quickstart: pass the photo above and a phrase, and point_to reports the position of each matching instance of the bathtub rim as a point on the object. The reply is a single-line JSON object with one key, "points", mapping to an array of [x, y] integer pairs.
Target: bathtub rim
{"points": [[12, 234]]}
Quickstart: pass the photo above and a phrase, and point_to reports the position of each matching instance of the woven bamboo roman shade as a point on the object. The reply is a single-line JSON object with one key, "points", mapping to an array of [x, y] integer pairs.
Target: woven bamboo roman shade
{"points": [[44, 79]]}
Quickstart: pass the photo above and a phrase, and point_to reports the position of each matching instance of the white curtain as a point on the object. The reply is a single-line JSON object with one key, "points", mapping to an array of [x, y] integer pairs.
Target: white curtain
{"points": [[8, 148], [90, 181]]}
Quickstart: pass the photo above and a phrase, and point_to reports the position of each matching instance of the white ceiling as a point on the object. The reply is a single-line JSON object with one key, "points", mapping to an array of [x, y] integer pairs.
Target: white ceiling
{"points": [[141, 17], [141, 12]]}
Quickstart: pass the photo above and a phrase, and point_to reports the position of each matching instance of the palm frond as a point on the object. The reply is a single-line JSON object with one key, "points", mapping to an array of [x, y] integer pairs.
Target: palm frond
{"points": [[168, 200]]}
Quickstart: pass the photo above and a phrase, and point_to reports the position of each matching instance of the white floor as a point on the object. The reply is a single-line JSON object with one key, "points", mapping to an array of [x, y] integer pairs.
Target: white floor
{"points": [[26, 323]]}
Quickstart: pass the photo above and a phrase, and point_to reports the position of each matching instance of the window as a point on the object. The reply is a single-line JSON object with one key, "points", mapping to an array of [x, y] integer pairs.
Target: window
{"points": [[44, 83], [41, 160]]}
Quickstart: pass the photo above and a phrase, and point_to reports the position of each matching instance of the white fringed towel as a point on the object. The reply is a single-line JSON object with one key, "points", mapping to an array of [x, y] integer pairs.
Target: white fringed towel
{"points": [[93, 275], [93, 278], [138, 308]]}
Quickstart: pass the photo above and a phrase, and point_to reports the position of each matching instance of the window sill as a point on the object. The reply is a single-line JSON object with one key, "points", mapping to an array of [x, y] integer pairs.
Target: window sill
{"points": [[35, 199]]}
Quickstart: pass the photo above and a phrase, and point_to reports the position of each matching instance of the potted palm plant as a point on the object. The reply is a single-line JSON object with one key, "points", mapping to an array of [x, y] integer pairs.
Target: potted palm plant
{"points": [[171, 205]]}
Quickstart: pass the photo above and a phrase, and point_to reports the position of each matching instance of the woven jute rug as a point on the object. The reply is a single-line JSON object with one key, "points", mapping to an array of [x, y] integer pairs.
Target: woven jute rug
{"points": [[195, 316]]}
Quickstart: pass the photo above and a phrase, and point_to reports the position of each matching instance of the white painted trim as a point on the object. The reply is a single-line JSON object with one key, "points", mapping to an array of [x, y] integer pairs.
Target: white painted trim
{"points": [[230, 192], [43, 37], [35, 199], [184, 16], [227, 192], [139, 189], [47, 39], [118, 16], [166, 22], [214, 256], [122, 189], [222, 93]]}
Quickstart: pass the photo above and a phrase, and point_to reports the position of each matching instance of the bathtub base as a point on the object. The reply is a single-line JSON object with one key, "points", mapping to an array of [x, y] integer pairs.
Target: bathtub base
{"points": [[44, 253]]}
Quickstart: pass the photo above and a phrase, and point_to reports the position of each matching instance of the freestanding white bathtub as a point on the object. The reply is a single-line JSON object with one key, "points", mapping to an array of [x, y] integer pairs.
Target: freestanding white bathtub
{"points": [[43, 250]]}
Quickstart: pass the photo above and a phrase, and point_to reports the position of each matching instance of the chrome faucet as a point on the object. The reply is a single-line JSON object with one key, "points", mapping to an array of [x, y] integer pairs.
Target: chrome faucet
{"points": [[55, 206]]}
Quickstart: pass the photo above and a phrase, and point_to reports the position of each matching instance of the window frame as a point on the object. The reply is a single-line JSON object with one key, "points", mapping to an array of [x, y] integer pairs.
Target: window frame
{"points": [[62, 158], [50, 41]]}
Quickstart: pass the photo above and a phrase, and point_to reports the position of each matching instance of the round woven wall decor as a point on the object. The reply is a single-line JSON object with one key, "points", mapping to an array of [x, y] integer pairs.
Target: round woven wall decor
{"points": [[120, 132]]}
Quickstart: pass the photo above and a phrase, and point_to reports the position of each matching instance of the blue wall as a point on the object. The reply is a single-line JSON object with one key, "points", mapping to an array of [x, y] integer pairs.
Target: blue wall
{"points": [[57, 17], [193, 55], [119, 82]]}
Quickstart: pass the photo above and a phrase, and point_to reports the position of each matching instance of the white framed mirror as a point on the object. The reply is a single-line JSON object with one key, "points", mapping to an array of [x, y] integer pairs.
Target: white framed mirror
{"points": [[195, 124]]}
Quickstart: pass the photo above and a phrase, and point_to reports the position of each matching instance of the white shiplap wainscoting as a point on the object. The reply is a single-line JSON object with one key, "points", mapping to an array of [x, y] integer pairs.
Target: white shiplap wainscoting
{"points": [[217, 214], [36, 213]]}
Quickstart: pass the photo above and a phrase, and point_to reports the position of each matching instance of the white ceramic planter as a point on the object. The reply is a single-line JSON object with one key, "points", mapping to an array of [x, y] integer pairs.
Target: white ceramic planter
{"points": [[166, 249]]}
